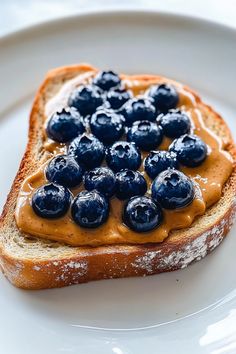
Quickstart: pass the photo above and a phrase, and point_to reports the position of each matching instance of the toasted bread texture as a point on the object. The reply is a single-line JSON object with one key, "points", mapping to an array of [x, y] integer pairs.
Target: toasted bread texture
{"points": [[34, 263]]}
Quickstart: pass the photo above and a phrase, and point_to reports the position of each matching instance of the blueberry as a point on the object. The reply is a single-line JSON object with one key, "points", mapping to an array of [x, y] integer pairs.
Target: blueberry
{"points": [[65, 125], [90, 209], [105, 80], [102, 179], [130, 183], [107, 125], [142, 214], [118, 97], [139, 109], [191, 151], [172, 189], [165, 97], [86, 99], [51, 201], [64, 170], [122, 155], [146, 135], [158, 161], [87, 151], [174, 123]]}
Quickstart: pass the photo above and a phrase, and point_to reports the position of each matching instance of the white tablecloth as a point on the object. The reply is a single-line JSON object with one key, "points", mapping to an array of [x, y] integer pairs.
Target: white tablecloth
{"points": [[17, 14]]}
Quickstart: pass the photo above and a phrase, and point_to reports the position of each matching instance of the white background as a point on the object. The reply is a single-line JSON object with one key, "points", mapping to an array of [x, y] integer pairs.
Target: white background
{"points": [[16, 14]]}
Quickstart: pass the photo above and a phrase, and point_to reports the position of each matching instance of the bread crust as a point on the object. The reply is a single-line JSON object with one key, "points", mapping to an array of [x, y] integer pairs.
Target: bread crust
{"points": [[83, 264]]}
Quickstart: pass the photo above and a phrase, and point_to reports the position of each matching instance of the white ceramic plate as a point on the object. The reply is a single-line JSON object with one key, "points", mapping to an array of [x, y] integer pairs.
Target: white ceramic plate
{"points": [[192, 310]]}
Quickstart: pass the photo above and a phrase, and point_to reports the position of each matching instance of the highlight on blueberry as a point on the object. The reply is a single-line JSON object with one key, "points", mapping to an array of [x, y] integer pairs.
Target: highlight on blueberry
{"points": [[138, 109], [65, 125], [141, 214], [51, 201], [158, 161], [145, 134], [129, 184], [86, 99], [87, 151], [122, 155], [107, 125], [118, 97], [102, 179], [172, 189], [106, 80], [164, 96], [190, 149], [90, 209], [174, 123], [64, 170]]}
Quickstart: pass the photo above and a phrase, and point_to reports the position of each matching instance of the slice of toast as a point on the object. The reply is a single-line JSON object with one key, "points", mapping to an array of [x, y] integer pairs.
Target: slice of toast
{"points": [[34, 263]]}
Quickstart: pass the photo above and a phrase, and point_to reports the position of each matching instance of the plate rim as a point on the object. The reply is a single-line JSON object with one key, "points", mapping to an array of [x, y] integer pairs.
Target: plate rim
{"points": [[45, 25]]}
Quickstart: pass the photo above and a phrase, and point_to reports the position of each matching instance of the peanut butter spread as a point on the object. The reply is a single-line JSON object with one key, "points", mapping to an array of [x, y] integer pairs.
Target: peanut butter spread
{"points": [[208, 179]]}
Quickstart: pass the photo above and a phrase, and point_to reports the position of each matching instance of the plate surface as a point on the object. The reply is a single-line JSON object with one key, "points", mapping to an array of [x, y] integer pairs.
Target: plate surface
{"points": [[193, 310]]}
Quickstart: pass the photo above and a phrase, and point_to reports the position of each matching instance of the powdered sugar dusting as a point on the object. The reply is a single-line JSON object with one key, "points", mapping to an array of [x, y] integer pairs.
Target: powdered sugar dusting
{"points": [[62, 271], [146, 262], [72, 271], [195, 250], [14, 271], [37, 268], [154, 261]]}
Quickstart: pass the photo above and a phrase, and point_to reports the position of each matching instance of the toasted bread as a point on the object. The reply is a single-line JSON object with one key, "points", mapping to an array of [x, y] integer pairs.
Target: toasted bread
{"points": [[34, 263]]}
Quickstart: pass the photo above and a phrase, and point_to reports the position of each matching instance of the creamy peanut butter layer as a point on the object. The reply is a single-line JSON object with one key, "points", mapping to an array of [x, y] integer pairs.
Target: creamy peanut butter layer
{"points": [[209, 179]]}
